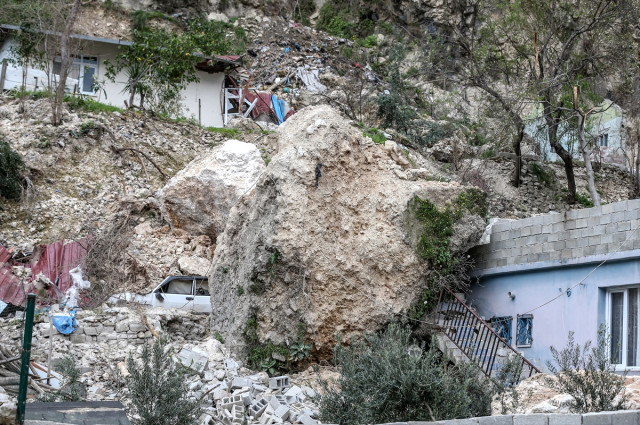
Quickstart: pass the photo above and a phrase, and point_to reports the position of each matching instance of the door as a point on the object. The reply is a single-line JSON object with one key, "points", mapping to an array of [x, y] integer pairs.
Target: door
{"points": [[202, 302], [174, 292]]}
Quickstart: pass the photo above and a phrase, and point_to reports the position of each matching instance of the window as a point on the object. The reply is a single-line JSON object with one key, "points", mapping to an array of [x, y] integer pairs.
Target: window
{"points": [[202, 287], [603, 140], [622, 317], [84, 69], [524, 336], [502, 326]]}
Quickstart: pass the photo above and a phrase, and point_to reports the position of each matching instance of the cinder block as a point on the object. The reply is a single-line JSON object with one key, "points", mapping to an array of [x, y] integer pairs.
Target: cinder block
{"points": [[599, 418], [631, 214], [307, 420], [623, 417], [472, 421], [241, 383], [594, 240], [525, 231], [282, 412], [623, 226], [500, 226], [227, 403], [605, 218], [537, 220], [277, 401], [564, 419], [633, 204], [534, 419], [559, 246], [617, 217], [237, 414], [258, 407], [496, 420], [620, 206], [608, 208], [546, 229], [581, 223], [593, 221], [278, 382], [536, 229]]}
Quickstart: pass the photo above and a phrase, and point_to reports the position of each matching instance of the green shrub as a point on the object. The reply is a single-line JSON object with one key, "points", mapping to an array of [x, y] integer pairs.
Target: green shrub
{"points": [[11, 165], [490, 153], [375, 135], [88, 104], [333, 21], [438, 225], [157, 389], [587, 375], [584, 200], [388, 378], [370, 41], [545, 176], [71, 388]]}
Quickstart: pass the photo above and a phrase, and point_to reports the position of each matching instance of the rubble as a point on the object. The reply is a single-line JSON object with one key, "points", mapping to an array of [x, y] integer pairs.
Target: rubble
{"points": [[106, 336]]}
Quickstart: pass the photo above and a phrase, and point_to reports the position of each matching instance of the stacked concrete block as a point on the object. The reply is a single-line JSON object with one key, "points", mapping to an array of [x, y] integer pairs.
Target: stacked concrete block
{"points": [[561, 237]]}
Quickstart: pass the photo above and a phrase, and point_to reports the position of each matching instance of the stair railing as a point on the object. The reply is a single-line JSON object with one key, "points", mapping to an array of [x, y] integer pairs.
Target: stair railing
{"points": [[476, 338]]}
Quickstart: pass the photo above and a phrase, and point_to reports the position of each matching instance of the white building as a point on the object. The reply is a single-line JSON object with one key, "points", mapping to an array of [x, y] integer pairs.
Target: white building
{"points": [[202, 101]]}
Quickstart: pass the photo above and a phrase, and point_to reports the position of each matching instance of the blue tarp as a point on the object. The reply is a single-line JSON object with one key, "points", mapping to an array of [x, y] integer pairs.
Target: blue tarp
{"points": [[278, 108], [66, 324]]}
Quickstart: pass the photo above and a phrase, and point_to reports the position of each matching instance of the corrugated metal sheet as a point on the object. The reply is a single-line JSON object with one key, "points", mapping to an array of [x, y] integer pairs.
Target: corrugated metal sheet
{"points": [[54, 261], [11, 290]]}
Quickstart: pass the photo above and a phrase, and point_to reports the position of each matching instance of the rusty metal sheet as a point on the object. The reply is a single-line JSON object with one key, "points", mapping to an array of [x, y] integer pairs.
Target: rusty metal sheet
{"points": [[11, 291], [55, 261]]}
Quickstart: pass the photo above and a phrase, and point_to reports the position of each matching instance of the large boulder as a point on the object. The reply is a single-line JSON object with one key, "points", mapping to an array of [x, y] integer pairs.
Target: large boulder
{"points": [[198, 199], [326, 242]]}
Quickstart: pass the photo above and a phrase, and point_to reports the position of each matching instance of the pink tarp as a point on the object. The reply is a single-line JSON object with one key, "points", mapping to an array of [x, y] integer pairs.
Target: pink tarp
{"points": [[54, 261]]}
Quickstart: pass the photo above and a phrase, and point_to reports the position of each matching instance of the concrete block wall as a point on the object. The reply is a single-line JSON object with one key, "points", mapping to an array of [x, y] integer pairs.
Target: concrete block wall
{"points": [[561, 237], [621, 417]]}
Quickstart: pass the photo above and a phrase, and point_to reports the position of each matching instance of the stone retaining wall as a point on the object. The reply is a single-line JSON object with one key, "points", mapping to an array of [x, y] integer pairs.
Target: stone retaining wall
{"points": [[621, 417], [562, 237]]}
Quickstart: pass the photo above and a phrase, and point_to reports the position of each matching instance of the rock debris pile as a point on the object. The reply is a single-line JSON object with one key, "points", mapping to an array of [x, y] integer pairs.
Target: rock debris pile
{"points": [[106, 336]]}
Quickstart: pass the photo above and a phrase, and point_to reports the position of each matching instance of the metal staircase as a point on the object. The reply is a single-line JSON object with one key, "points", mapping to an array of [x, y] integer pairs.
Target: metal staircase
{"points": [[464, 336]]}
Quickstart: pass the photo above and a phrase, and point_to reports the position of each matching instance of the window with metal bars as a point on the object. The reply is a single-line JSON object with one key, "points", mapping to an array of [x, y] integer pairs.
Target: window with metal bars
{"points": [[524, 335], [502, 326]]}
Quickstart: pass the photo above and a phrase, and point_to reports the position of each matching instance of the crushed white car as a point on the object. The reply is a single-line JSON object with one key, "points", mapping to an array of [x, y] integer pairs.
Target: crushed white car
{"points": [[183, 292]]}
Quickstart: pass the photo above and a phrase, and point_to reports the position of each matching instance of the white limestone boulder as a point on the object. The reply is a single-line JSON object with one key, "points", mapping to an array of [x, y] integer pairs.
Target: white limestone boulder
{"points": [[198, 199]]}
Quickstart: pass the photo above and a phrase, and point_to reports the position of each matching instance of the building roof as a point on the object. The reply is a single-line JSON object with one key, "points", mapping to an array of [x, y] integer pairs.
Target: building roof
{"points": [[207, 65]]}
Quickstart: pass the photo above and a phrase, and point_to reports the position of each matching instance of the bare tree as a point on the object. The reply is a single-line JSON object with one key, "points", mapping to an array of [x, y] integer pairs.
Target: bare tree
{"points": [[65, 63], [584, 146]]}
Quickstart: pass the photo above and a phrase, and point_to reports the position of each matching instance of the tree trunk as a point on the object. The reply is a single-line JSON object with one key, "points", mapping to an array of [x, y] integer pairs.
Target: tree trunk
{"points": [[552, 133], [586, 155], [637, 176], [65, 63], [517, 150]]}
